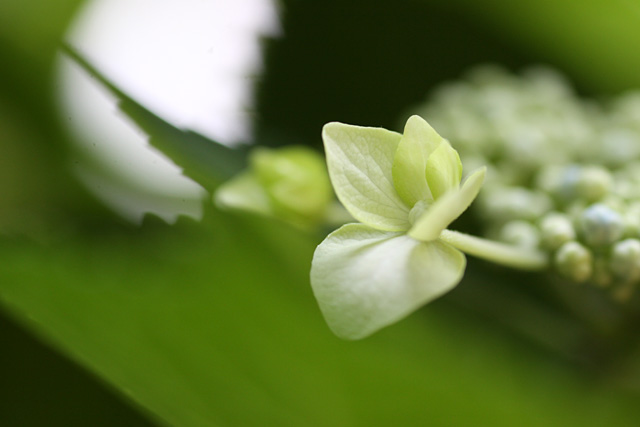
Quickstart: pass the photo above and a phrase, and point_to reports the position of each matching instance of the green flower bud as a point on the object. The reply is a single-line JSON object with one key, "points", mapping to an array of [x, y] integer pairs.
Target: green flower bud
{"points": [[625, 260], [520, 233], [289, 183], [295, 181], [600, 225], [556, 229], [593, 183], [574, 261], [568, 183]]}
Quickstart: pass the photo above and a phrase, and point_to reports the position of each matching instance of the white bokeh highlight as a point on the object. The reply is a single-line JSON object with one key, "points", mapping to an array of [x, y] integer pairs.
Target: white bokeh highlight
{"points": [[191, 62]]}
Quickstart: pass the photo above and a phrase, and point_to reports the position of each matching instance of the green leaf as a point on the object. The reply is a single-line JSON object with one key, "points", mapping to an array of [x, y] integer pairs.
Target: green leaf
{"points": [[192, 321], [205, 161], [447, 208], [208, 326], [444, 170], [365, 279], [243, 192], [418, 142], [360, 161]]}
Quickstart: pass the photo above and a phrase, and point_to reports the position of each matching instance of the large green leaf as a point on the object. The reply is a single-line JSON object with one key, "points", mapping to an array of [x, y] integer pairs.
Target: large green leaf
{"points": [[218, 326], [205, 161]]}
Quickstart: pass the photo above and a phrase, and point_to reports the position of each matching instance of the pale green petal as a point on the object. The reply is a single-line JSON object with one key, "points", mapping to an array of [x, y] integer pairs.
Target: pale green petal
{"points": [[243, 192], [360, 161], [447, 208], [444, 170], [365, 279], [418, 142]]}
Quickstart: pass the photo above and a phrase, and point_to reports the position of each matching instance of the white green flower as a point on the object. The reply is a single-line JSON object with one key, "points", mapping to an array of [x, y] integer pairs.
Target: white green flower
{"points": [[405, 190]]}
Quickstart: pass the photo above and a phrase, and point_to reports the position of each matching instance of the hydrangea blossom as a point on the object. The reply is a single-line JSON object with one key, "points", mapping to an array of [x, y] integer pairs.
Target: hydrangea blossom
{"points": [[405, 190]]}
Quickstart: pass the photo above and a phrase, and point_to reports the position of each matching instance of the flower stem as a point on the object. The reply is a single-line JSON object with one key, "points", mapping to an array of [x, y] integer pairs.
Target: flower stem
{"points": [[512, 256]]}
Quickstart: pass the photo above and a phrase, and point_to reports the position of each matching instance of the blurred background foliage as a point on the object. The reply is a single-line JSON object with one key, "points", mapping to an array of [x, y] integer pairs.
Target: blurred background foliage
{"points": [[213, 323]]}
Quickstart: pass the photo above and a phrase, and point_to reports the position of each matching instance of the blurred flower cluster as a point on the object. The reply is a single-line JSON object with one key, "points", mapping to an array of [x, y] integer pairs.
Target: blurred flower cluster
{"points": [[563, 172]]}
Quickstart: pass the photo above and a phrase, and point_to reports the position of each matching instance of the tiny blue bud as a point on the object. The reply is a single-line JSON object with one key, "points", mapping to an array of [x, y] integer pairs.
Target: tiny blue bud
{"points": [[601, 225], [587, 183]]}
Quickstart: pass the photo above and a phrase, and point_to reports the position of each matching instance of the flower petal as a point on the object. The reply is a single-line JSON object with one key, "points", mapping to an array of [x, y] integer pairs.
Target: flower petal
{"points": [[360, 161], [366, 279], [447, 208], [444, 170], [418, 142]]}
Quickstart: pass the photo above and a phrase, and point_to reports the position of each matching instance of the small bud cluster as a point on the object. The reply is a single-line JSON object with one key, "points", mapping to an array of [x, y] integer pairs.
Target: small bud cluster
{"points": [[577, 214], [564, 173], [592, 231]]}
